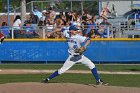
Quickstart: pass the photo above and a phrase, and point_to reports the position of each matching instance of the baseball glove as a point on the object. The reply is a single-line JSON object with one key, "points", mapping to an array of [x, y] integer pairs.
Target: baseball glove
{"points": [[80, 50]]}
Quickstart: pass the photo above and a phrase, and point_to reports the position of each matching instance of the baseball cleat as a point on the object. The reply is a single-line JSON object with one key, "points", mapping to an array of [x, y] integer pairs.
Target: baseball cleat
{"points": [[45, 80], [100, 82]]}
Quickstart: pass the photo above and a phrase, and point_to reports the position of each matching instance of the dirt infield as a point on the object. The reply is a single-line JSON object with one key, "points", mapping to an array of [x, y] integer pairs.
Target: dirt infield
{"points": [[32, 87], [31, 71]]}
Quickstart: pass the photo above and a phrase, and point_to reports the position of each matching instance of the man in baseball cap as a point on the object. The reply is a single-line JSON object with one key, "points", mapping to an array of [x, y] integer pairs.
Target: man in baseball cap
{"points": [[73, 30]]}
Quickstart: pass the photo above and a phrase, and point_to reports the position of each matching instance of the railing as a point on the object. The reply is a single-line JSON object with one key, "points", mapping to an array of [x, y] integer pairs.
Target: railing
{"points": [[114, 31]]}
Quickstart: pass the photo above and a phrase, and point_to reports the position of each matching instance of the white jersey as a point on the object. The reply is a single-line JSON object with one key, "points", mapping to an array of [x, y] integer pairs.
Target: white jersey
{"points": [[16, 24], [74, 41]]}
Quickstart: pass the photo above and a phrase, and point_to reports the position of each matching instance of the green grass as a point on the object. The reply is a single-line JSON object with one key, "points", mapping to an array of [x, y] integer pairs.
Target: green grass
{"points": [[113, 80], [101, 67]]}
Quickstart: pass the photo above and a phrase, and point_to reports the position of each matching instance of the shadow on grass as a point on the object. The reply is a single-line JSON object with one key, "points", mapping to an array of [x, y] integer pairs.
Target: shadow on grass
{"points": [[135, 70]]}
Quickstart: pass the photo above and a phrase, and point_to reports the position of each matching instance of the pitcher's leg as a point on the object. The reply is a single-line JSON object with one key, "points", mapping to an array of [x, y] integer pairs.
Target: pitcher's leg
{"points": [[91, 66], [68, 64]]}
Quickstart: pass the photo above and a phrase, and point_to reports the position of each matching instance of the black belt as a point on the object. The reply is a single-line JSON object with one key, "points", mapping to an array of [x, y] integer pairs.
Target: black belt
{"points": [[75, 55]]}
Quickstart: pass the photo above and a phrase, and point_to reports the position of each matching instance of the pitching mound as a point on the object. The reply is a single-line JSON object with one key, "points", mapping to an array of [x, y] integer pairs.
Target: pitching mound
{"points": [[62, 88]]}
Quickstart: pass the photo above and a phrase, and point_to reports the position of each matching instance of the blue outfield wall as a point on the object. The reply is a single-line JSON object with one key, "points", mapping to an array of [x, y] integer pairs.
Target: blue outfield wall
{"points": [[98, 51]]}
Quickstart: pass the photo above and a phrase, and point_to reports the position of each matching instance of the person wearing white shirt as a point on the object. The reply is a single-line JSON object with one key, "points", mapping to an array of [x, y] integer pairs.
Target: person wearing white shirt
{"points": [[16, 25]]}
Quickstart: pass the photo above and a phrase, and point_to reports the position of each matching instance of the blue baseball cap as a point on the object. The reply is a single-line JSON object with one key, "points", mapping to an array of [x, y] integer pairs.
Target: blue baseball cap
{"points": [[73, 28]]}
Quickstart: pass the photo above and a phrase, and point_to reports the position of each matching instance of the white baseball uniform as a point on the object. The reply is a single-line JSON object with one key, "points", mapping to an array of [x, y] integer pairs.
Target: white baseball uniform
{"points": [[74, 42]]}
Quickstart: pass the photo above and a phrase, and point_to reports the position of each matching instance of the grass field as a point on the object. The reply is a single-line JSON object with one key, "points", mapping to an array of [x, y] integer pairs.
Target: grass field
{"points": [[112, 79], [101, 67]]}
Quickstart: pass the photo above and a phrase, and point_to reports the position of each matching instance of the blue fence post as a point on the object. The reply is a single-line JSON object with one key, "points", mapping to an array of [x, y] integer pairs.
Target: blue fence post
{"points": [[8, 10]]}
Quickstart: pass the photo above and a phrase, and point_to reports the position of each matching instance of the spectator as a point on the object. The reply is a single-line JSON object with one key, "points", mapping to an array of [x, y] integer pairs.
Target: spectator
{"points": [[91, 25], [84, 26], [5, 30], [16, 26], [35, 11], [63, 17], [43, 18], [49, 28], [39, 30], [58, 25], [68, 15], [104, 31], [86, 15], [76, 20], [28, 29], [105, 11], [52, 13], [57, 29], [93, 34], [60, 15], [33, 20]]}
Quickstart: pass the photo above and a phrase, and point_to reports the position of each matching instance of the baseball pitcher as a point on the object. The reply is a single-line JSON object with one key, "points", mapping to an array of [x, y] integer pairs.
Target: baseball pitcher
{"points": [[75, 51]]}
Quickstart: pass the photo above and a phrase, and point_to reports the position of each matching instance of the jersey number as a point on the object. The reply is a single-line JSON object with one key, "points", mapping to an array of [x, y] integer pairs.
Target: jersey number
{"points": [[75, 46]]}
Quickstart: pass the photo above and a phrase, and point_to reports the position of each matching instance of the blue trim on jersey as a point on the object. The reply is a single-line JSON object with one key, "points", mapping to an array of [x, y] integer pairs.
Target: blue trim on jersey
{"points": [[87, 39]]}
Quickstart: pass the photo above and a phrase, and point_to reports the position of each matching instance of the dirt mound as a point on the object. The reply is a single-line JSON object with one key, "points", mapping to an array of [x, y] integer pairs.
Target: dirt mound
{"points": [[33, 87]]}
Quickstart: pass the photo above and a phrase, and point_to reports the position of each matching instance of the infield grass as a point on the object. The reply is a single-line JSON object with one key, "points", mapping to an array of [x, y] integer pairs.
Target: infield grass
{"points": [[113, 80]]}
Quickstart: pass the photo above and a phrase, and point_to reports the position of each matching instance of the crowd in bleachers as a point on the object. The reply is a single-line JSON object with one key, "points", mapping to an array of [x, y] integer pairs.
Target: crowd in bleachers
{"points": [[89, 25]]}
